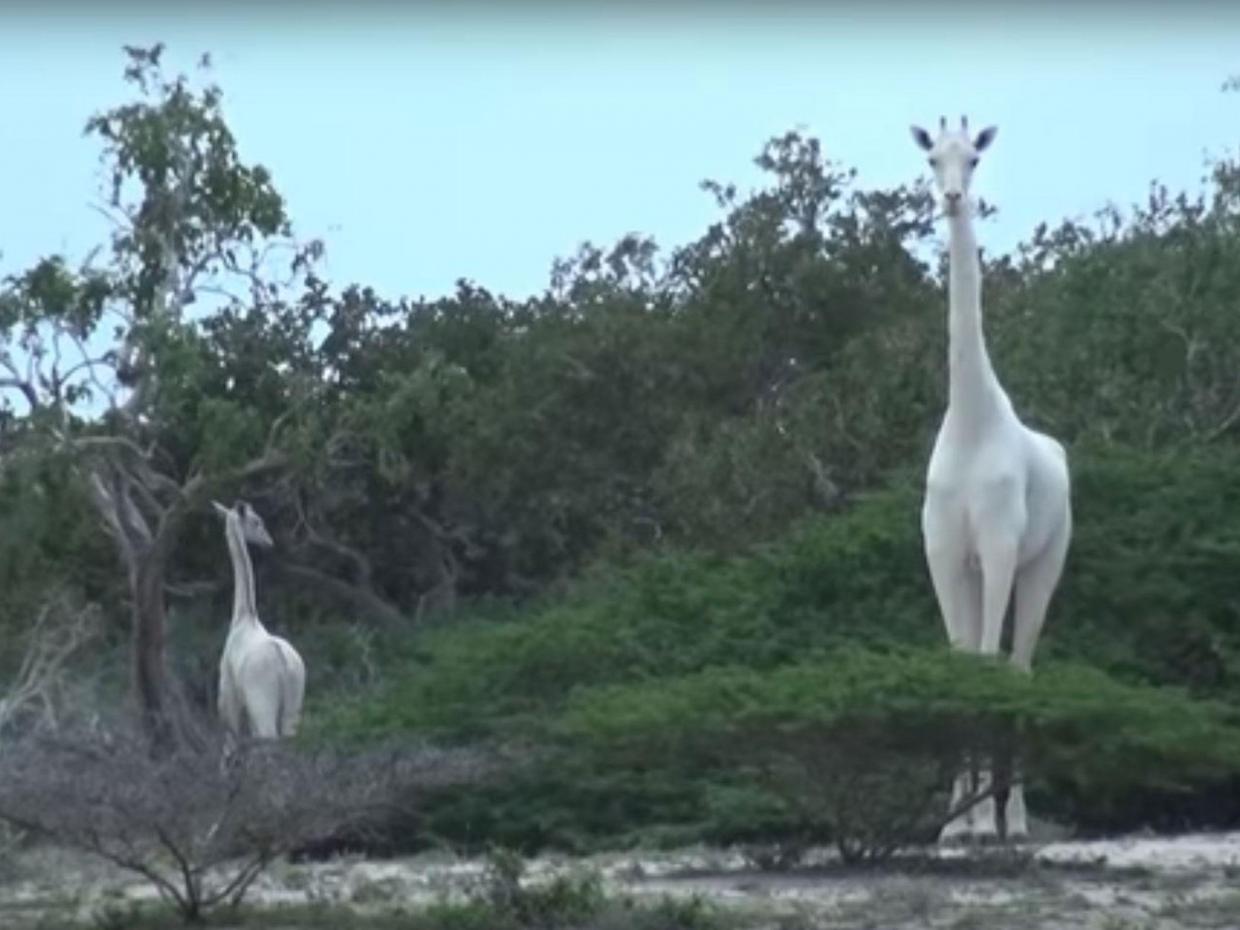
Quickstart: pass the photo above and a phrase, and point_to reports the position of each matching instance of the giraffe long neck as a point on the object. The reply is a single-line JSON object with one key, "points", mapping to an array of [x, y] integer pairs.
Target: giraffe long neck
{"points": [[244, 610], [974, 391]]}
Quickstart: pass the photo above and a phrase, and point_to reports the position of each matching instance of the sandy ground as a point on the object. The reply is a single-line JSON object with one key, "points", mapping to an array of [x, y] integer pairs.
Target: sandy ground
{"points": [[1138, 883]]}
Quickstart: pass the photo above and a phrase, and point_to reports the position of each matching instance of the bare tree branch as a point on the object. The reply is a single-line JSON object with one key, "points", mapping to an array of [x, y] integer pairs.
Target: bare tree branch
{"points": [[25, 385], [360, 597], [199, 831], [60, 630]]}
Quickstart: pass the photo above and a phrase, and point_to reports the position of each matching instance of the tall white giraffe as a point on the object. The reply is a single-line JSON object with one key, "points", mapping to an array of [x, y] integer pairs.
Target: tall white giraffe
{"points": [[997, 516], [262, 678]]}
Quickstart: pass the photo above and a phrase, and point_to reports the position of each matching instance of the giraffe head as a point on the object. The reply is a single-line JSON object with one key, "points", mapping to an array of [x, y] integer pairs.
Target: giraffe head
{"points": [[253, 530], [953, 156]]}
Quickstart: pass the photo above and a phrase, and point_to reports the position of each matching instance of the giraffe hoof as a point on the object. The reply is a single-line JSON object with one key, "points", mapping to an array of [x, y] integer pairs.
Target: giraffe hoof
{"points": [[955, 840], [957, 833]]}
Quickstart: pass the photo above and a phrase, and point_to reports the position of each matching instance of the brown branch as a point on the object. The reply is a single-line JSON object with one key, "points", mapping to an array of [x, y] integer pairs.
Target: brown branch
{"points": [[88, 362], [131, 517], [89, 839], [106, 503], [27, 390], [362, 597], [137, 455], [1227, 422], [52, 642], [193, 589], [235, 889], [188, 877], [313, 537]]}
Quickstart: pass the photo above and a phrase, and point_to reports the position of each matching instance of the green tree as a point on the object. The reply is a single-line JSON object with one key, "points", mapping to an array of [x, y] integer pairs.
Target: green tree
{"points": [[113, 369]]}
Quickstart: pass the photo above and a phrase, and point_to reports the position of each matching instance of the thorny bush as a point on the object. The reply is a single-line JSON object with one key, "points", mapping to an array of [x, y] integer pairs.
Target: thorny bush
{"points": [[198, 825]]}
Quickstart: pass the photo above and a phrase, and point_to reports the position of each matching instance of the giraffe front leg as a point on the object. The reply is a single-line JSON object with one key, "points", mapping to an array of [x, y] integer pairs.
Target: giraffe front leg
{"points": [[956, 582], [998, 559], [1035, 586], [985, 815], [1015, 814], [959, 828], [998, 554]]}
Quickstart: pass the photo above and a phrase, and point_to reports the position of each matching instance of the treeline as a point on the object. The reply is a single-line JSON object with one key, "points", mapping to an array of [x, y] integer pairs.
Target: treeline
{"points": [[672, 461]]}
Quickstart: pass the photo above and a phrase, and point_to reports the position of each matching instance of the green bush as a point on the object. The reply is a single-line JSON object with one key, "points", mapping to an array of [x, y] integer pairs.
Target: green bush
{"points": [[1148, 588], [1145, 597], [857, 748], [1143, 602], [860, 748], [667, 613], [1072, 719]]}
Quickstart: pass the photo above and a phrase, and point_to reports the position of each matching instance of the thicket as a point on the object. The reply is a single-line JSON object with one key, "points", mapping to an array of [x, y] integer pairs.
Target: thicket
{"points": [[1144, 598], [832, 584], [857, 749], [670, 463], [200, 829]]}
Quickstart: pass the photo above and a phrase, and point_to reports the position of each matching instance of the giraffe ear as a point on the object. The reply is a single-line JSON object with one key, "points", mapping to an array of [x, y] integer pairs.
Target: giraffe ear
{"points": [[922, 138], [984, 138], [220, 508]]}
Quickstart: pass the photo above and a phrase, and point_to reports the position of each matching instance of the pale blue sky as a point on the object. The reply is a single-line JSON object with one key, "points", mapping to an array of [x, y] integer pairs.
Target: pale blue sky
{"points": [[426, 145]]}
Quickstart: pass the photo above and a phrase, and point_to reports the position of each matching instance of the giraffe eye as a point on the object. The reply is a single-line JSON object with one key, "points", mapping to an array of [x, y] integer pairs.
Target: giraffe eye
{"points": [[934, 162], [973, 161]]}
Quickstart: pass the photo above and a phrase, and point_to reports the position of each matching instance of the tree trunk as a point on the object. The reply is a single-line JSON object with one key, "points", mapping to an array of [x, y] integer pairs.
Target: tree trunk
{"points": [[150, 672], [145, 556]]}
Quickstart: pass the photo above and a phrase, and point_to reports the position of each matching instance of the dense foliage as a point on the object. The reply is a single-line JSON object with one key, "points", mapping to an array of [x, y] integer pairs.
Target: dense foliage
{"points": [[673, 473]]}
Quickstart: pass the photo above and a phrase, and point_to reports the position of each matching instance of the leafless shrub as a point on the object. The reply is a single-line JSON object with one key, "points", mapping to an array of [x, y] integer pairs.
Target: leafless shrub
{"points": [[199, 828], [34, 697], [37, 695]]}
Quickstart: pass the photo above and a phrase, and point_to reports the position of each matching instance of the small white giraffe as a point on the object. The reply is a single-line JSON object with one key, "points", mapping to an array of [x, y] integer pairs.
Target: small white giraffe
{"points": [[262, 678], [997, 516]]}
